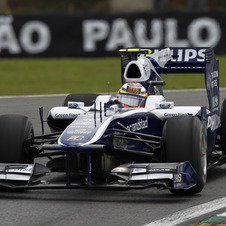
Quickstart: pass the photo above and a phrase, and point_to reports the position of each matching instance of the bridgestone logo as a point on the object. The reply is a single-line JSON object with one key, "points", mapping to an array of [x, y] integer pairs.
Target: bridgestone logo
{"points": [[141, 124]]}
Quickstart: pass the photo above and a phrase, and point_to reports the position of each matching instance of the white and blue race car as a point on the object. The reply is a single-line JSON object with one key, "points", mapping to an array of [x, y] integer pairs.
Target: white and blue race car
{"points": [[134, 140]]}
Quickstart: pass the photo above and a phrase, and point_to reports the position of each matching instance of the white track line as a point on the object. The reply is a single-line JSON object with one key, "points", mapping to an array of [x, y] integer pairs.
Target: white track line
{"points": [[112, 93], [31, 96], [190, 213], [189, 90]]}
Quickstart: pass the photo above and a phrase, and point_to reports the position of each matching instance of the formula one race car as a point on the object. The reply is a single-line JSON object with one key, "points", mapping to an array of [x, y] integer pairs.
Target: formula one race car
{"points": [[132, 141]]}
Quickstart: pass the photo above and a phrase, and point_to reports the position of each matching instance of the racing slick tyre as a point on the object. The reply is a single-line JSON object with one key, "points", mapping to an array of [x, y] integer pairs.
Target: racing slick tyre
{"points": [[185, 139], [15, 130], [223, 127], [87, 98]]}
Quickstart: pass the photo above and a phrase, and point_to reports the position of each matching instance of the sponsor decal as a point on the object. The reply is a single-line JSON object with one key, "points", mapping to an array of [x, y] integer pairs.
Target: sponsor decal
{"points": [[175, 114], [72, 105], [80, 131], [83, 127], [214, 83], [215, 102], [213, 122], [139, 170], [214, 74], [75, 138], [18, 169], [160, 170], [118, 142], [27, 169], [177, 178], [70, 115], [133, 90], [139, 125], [165, 105], [188, 55]]}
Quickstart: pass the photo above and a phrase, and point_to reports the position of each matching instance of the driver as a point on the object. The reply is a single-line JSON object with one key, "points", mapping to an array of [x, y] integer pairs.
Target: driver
{"points": [[132, 95]]}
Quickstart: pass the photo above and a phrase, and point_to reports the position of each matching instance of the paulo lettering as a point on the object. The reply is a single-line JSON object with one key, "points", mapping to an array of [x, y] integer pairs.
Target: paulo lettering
{"points": [[157, 32]]}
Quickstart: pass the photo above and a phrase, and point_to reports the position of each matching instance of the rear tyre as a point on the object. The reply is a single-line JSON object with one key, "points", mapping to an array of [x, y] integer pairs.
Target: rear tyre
{"points": [[223, 127], [185, 139], [87, 98], [15, 130]]}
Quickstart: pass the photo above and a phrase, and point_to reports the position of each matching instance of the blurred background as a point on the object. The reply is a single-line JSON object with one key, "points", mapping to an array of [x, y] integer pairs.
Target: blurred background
{"points": [[94, 28], [103, 6], [71, 46]]}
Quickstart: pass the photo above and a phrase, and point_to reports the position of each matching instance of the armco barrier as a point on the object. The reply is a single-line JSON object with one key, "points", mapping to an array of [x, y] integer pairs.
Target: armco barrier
{"points": [[96, 35]]}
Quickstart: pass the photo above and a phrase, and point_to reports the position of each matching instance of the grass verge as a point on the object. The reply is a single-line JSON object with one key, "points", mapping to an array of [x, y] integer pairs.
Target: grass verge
{"points": [[75, 75]]}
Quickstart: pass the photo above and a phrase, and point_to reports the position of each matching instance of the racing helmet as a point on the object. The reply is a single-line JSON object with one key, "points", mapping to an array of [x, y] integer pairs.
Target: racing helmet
{"points": [[132, 95]]}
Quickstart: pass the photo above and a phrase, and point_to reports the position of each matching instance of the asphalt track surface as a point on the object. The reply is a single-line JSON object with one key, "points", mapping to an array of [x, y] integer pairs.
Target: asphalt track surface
{"points": [[92, 207]]}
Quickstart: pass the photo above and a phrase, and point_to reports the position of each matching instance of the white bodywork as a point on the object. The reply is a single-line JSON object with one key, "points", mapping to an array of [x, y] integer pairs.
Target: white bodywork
{"points": [[155, 104]]}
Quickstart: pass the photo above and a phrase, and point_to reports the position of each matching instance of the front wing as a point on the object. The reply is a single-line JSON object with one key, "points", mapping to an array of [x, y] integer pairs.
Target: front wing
{"points": [[124, 177]]}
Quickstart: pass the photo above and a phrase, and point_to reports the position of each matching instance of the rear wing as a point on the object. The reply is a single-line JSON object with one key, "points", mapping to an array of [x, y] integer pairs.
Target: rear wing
{"points": [[183, 60]]}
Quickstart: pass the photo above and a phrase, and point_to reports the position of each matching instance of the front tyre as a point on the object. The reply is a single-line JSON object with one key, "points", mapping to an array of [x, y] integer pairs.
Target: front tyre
{"points": [[185, 139], [15, 130]]}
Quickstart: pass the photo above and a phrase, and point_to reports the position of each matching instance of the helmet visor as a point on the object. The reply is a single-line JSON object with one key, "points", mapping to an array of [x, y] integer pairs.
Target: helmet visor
{"points": [[132, 100]]}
